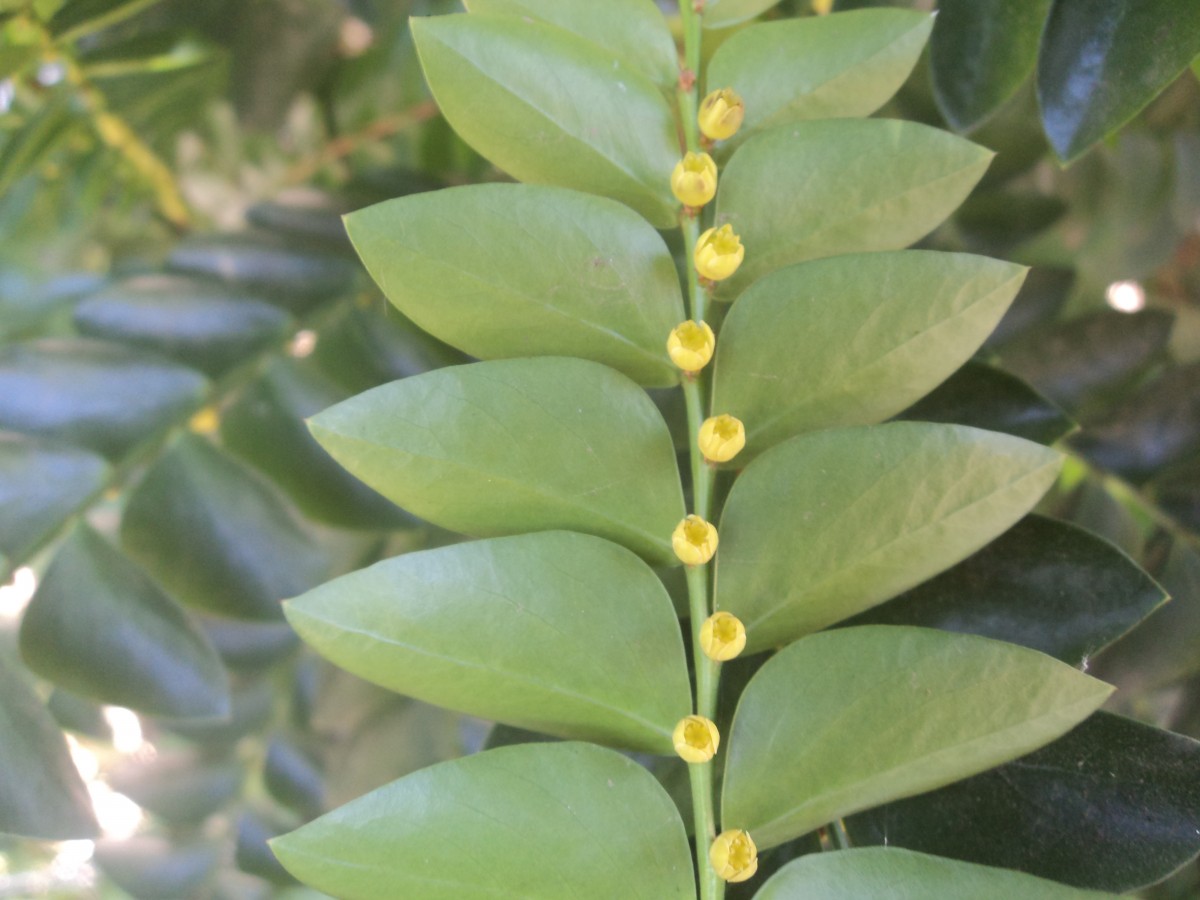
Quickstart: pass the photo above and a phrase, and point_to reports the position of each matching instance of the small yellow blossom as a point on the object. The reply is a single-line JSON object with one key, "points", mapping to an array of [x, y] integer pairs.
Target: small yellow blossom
{"points": [[690, 345], [694, 181], [205, 421], [718, 253], [721, 438], [822, 7], [721, 114], [696, 739], [722, 636], [733, 855], [694, 541]]}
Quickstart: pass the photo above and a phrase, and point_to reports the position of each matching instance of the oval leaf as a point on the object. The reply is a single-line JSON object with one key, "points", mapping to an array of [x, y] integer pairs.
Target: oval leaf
{"points": [[216, 536], [723, 13], [823, 67], [517, 445], [557, 632], [1043, 584], [470, 266], [537, 820], [549, 107], [97, 395], [829, 524], [632, 30], [1112, 805], [848, 719], [1103, 60], [904, 875], [100, 627], [882, 184], [853, 340]]}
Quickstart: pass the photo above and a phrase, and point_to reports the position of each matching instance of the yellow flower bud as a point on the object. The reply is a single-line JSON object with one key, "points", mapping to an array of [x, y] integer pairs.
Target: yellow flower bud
{"points": [[721, 114], [721, 438], [722, 636], [733, 855], [822, 7], [696, 739], [719, 252], [694, 181], [694, 541], [690, 345]]}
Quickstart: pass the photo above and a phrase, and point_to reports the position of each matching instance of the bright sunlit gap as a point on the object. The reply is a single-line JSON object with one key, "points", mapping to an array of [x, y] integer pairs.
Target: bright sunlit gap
{"points": [[1126, 296], [126, 729], [303, 344], [15, 595]]}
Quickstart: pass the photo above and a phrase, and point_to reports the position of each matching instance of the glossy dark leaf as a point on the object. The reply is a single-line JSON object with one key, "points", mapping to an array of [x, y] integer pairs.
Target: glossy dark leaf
{"points": [[998, 220], [1103, 60], [303, 214], [292, 778], [252, 706], [216, 536], [246, 645], [1177, 491], [1112, 805], [41, 485], [1156, 426], [986, 397], [1041, 297], [265, 427], [295, 278], [1043, 584], [147, 866], [182, 787], [41, 793], [199, 323], [253, 854], [93, 394], [1072, 361], [100, 627], [980, 52]]}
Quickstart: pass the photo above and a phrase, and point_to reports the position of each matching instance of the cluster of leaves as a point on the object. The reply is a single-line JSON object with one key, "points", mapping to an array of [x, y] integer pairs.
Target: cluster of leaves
{"points": [[101, 384]]}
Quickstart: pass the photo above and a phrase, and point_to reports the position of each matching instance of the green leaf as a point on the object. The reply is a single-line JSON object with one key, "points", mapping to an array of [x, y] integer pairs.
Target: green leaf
{"points": [[76, 18], [24, 149], [42, 484], [632, 30], [41, 793], [100, 627], [883, 184], [518, 445], [557, 632], [980, 54], [984, 397], [1112, 805], [216, 536], [152, 866], [848, 719], [181, 787], [549, 107], [537, 820], [822, 67], [1103, 60], [199, 323], [101, 396], [723, 13], [471, 266], [904, 875], [832, 523], [1043, 584], [853, 340]]}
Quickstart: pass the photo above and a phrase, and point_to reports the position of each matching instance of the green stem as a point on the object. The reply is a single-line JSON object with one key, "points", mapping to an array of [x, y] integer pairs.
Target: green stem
{"points": [[698, 296], [702, 471], [711, 886], [840, 836], [689, 103]]}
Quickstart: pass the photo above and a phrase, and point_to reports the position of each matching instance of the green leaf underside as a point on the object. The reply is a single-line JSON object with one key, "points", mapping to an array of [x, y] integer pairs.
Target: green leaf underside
{"points": [[980, 53], [825, 67], [100, 627], [557, 632], [853, 340], [903, 875], [826, 187], [510, 446], [633, 30], [828, 524], [549, 107], [536, 820], [723, 13], [504, 270], [848, 719]]}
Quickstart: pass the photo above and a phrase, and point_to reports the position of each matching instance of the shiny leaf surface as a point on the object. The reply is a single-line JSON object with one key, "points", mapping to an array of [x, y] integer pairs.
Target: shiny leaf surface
{"points": [[724, 13]]}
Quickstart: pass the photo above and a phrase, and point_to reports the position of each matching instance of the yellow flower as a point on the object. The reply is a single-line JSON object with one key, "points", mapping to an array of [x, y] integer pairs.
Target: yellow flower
{"points": [[733, 855], [718, 253], [822, 7], [721, 114], [694, 181], [722, 636], [721, 438], [690, 345], [696, 739], [694, 541]]}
